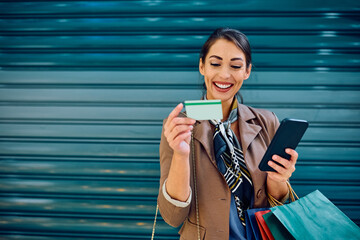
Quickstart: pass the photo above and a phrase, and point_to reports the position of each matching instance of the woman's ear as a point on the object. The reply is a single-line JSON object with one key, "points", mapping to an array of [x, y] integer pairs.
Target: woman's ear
{"points": [[248, 71], [201, 67]]}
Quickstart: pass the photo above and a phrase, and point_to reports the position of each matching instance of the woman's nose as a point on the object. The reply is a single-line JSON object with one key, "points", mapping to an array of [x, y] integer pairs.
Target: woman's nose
{"points": [[224, 73]]}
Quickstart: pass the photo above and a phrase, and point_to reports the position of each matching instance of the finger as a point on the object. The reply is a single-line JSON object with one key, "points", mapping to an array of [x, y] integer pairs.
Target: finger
{"points": [[188, 140], [279, 177], [181, 137], [283, 173], [174, 113], [179, 129], [180, 121], [293, 155], [276, 167], [184, 120], [284, 162]]}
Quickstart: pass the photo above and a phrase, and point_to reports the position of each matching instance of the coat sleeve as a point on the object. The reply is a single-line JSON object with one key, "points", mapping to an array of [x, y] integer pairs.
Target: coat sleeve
{"points": [[172, 214]]}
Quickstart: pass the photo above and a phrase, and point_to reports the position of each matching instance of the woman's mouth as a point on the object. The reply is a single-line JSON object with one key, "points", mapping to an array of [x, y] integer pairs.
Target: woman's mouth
{"points": [[222, 87]]}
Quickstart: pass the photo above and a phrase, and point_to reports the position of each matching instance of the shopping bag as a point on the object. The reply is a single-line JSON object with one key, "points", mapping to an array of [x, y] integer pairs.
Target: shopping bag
{"points": [[252, 228], [313, 217], [278, 231], [264, 229]]}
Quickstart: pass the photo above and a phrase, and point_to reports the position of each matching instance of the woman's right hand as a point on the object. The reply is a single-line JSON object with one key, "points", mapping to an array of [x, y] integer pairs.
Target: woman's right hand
{"points": [[177, 131]]}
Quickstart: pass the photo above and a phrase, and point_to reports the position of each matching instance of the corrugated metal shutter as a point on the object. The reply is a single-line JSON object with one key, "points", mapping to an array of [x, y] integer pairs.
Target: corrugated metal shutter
{"points": [[84, 86]]}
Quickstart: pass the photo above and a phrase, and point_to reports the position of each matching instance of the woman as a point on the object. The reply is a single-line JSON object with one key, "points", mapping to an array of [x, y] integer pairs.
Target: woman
{"points": [[227, 153]]}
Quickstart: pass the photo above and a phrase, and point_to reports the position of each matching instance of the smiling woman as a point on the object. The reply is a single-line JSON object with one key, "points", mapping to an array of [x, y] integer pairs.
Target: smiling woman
{"points": [[226, 153], [224, 72]]}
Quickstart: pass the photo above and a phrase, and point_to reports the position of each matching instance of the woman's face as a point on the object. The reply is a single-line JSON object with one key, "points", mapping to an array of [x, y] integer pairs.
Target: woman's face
{"points": [[224, 70]]}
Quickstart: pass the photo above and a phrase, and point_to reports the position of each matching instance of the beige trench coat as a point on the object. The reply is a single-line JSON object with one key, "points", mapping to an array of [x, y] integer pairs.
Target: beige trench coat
{"points": [[257, 127]]}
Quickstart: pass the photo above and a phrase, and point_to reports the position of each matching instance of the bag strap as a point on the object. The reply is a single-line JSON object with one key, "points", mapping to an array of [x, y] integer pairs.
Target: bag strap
{"points": [[154, 225], [274, 202], [196, 197], [195, 186]]}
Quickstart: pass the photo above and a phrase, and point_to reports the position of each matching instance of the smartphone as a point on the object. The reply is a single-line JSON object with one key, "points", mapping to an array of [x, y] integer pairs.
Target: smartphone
{"points": [[288, 135]]}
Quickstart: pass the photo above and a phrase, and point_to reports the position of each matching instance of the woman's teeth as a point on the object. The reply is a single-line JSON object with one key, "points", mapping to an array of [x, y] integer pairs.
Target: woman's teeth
{"points": [[223, 86]]}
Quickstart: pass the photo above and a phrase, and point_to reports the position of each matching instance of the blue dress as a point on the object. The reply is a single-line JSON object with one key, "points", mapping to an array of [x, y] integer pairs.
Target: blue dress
{"points": [[236, 230]]}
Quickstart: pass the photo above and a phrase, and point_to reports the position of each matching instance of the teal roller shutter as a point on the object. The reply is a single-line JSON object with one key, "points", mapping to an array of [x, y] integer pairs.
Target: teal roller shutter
{"points": [[84, 86]]}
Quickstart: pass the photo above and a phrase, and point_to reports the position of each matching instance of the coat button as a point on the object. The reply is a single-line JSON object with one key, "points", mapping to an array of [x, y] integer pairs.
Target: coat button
{"points": [[258, 194]]}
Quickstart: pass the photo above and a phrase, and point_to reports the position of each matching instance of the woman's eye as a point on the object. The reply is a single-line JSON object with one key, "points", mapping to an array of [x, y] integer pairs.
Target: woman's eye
{"points": [[215, 64], [236, 67]]}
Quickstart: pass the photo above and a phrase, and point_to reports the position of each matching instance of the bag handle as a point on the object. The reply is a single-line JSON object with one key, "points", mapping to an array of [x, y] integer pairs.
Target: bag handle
{"points": [[274, 202], [154, 225], [196, 197]]}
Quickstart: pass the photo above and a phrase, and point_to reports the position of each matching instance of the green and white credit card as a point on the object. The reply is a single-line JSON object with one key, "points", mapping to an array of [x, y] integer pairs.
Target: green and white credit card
{"points": [[204, 109]]}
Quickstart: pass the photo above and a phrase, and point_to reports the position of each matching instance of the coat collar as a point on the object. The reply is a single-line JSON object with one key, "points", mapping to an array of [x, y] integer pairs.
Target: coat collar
{"points": [[248, 130], [203, 132]]}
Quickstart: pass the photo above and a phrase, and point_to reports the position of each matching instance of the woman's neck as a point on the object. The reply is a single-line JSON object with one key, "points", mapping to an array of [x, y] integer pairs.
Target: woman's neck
{"points": [[226, 108]]}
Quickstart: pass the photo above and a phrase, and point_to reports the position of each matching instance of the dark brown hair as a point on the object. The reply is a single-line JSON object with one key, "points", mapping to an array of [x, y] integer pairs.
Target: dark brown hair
{"points": [[232, 35]]}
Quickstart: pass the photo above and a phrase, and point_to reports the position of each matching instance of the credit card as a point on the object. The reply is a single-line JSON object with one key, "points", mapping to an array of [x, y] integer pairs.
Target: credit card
{"points": [[204, 109]]}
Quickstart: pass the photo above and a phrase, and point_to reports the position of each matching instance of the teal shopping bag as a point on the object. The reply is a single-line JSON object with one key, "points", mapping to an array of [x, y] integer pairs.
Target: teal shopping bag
{"points": [[315, 217]]}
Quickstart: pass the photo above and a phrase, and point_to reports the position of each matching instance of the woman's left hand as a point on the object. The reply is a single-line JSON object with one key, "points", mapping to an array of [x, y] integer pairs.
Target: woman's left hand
{"points": [[284, 172]]}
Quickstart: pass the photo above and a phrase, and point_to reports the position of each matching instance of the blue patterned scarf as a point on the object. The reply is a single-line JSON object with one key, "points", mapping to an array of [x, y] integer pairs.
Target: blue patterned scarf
{"points": [[231, 163]]}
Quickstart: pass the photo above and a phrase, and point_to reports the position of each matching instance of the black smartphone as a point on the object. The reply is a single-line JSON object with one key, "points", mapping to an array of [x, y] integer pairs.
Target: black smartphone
{"points": [[288, 135]]}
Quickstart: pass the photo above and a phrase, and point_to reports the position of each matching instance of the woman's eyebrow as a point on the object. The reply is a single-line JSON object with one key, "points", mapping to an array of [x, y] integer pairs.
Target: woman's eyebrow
{"points": [[234, 59], [220, 58], [214, 56]]}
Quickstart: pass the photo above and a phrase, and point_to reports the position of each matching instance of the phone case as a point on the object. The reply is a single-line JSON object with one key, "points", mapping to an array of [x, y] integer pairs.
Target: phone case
{"points": [[288, 135]]}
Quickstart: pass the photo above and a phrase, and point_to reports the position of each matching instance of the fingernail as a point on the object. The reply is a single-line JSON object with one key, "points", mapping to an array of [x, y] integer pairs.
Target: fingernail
{"points": [[287, 150]]}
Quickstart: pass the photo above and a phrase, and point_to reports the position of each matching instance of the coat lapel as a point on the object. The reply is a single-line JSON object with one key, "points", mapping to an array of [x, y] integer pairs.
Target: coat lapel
{"points": [[248, 131], [204, 134]]}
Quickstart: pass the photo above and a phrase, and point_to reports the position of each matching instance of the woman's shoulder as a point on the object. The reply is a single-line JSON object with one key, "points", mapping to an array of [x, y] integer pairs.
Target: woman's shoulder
{"points": [[263, 117], [259, 112]]}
